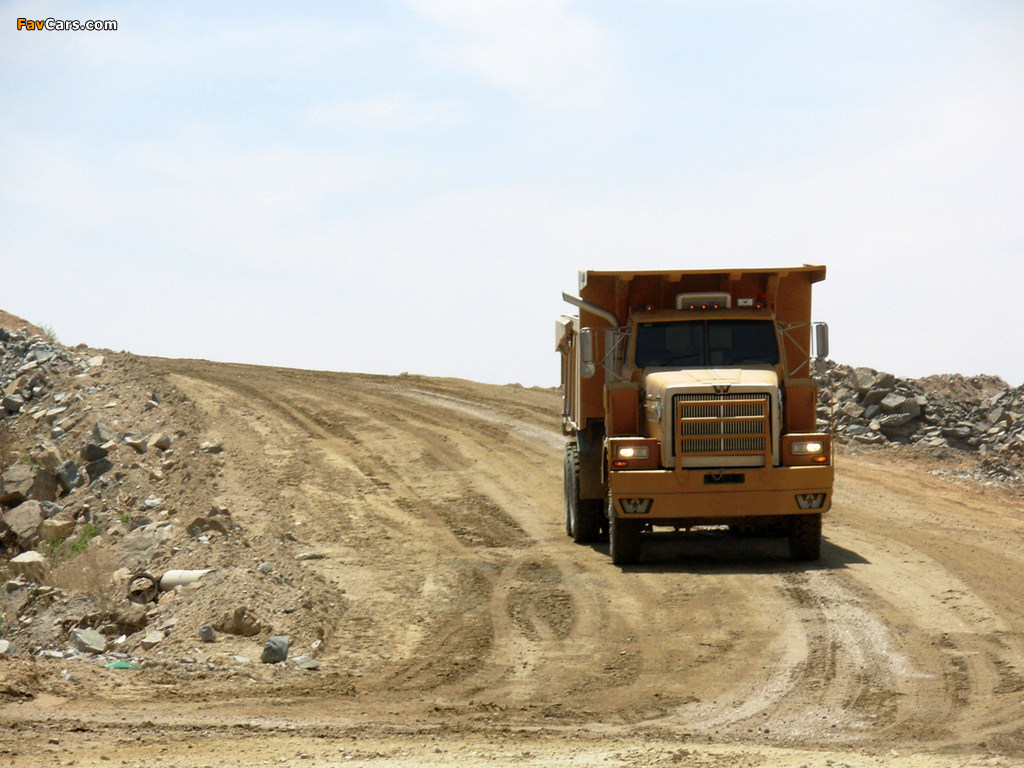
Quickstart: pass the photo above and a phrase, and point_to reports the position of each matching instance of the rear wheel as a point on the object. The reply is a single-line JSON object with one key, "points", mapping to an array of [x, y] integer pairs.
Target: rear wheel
{"points": [[805, 537], [624, 538], [582, 516]]}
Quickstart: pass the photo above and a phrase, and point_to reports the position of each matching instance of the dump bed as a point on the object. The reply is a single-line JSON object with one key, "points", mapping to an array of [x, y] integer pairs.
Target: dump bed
{"points": [[785, 291]]}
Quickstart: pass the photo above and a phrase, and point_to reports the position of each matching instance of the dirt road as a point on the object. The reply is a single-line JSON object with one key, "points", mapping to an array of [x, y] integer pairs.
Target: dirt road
{"points": [[477, 632]]}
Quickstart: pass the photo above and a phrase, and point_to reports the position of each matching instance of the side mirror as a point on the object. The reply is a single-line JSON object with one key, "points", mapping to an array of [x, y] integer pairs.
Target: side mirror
{"points": [[821, 340], [587, 367]]}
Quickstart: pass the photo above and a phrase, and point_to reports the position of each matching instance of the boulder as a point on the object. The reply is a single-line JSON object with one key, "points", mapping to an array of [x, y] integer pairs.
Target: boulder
{"points": [[892, 402], [12, 403], [29, 565], [98, 468], [103, 433], [276, 649], [239, 622], [68, 476], [50, 458], [142, 544], [23, 481], [56, 530], [93, 452], [88, 641], [24, 521]]}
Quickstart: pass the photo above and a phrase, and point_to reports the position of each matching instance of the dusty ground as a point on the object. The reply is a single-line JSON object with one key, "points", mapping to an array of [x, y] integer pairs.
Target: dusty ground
{"points": [[476, 632]]}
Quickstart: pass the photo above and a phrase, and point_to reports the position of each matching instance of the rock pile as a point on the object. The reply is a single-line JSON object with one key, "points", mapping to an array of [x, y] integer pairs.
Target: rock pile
{"points": [[109, 486], [981, 415]]}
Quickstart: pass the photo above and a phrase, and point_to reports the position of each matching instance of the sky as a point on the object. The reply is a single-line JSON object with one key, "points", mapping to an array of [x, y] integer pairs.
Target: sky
{"points": [[388, 186]]}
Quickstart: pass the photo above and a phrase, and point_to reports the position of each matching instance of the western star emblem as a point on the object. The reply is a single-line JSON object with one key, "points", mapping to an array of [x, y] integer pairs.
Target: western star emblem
{"points": [[636, 506], [721, 389]]}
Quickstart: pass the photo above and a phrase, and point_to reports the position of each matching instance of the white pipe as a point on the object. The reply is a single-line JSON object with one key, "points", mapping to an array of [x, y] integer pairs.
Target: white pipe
{"points": [[593, 309]]}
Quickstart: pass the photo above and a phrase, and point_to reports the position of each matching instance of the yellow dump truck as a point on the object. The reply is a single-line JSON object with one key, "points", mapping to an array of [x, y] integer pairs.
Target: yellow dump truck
{"points": [[688, 401]]}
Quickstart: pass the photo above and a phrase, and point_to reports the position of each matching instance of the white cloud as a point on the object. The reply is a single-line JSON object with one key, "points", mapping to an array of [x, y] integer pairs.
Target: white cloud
{"points": [[394, 113], [538, 49]]}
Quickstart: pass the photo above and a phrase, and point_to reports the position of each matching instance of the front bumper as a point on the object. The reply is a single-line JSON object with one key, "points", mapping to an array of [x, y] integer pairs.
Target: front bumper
{"points": [[664, 496]]}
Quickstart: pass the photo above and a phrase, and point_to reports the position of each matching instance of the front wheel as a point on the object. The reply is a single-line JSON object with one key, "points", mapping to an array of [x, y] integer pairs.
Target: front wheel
{"points": [[624, 538], [805, 537]]}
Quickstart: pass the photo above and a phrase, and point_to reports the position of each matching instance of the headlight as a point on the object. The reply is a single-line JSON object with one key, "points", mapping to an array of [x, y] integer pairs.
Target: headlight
{"points": [[806, 448], [633, 452]]}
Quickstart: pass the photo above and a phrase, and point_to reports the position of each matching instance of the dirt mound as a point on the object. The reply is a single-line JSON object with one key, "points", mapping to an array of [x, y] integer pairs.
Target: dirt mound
{"points": [[13, 323]]}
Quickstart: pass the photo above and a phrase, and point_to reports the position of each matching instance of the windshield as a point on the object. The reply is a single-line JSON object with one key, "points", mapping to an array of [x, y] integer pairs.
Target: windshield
{"points": [[706, 343]]}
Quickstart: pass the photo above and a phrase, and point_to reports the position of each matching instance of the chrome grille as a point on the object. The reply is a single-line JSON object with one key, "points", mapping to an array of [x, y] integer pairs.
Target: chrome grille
{"points": [[727, 424]]}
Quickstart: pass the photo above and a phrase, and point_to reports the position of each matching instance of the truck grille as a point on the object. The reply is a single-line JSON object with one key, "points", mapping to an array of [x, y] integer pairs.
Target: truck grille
{"points": [[728, 424]]}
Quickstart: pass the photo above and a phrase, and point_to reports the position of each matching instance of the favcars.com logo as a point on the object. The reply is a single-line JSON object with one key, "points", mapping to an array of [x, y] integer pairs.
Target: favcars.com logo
{"points": [[67, 25]]}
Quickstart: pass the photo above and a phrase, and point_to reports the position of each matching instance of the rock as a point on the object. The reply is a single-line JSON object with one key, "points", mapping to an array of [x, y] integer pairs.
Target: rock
{"points": [[307, 663], [103, 433], [50, 458], [867, 379], [874, 397], [93, 452], [54, 413], [29, 565], [137, 443], [23, 481], [96, 469], [207, 633], [68, 476], [239, 622], [276, 649], [5, 646], [201, 525], [51, 509], [141, 545], [12, 403], [56, 530], [160, 441], [24, 522], [211, 446], [88, 641], [151, 640], [892, 402], [131, 616], [852, 410]]}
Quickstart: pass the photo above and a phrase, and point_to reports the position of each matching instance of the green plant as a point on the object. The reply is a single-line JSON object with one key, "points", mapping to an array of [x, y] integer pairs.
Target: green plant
{"points": [[49, 548], [89, 532], [125, 517], [50, 334]]}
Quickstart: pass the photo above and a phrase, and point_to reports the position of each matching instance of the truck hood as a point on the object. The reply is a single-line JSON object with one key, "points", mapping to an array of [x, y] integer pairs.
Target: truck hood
{"points": [[760, 378], [662, 385]]}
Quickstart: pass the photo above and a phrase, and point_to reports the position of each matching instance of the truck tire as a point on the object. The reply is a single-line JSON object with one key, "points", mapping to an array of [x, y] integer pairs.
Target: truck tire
{"points": [[582, 516], [805, 537], [571, 483], [624, 538]]}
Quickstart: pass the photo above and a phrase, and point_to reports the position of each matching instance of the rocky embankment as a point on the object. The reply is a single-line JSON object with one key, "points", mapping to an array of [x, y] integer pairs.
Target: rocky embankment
{"points": [[117, 543], [977, 416]]}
